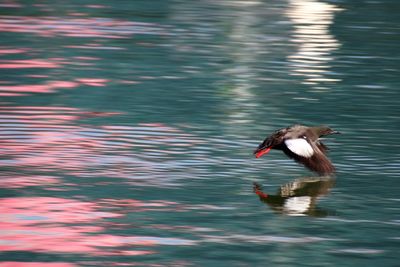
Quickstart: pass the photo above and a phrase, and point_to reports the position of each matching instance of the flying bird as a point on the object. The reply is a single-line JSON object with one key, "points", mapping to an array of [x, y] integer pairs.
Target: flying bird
{"points": [[302, 144]]}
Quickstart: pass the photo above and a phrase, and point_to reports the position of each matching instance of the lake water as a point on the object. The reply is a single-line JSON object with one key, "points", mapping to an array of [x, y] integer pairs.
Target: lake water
{"points": [[127, 131]]}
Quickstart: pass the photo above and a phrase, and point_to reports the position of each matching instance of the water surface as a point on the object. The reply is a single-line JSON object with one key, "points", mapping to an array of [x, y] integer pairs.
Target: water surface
{"points": [[127, 131]]}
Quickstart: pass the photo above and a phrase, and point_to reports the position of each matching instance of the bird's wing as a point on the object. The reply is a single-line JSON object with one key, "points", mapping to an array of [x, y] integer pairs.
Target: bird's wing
{"points": [[300, 147], [324, 149], [318, 162], [273, 140]]}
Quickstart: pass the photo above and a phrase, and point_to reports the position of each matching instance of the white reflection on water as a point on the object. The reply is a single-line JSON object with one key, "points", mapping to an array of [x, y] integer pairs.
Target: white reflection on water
{"points": [[315, 44]]}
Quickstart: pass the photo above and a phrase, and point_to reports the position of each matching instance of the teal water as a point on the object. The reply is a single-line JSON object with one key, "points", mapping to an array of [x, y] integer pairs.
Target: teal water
{"points": [[127, 131]]}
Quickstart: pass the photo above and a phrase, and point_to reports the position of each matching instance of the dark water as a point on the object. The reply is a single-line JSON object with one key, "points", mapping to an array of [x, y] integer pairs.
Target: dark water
{"points": [[127, 131]]}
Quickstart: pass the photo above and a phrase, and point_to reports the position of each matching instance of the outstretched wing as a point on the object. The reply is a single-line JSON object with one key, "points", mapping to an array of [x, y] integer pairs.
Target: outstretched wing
{"points": [[316, 161], [273, 140]]}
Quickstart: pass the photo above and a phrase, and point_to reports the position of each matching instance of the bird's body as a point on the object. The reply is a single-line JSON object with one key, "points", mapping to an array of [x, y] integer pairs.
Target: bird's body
{"points": [[302, 144]]}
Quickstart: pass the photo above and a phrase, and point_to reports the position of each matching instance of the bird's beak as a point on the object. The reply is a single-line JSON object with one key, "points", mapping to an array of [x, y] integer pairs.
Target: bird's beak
{"points": [[336, 132], [261, 151]]}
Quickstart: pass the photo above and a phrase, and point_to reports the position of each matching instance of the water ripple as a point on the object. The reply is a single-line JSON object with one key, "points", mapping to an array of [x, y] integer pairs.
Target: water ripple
{"points": [[46, 139], [48, 26]]}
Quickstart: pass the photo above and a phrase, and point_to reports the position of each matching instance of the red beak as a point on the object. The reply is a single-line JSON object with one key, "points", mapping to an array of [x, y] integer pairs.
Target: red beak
{"points": [[260, 152]]}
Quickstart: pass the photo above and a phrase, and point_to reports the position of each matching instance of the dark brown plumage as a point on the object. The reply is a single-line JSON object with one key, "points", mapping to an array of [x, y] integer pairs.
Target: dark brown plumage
{"points": [[302, 144]]}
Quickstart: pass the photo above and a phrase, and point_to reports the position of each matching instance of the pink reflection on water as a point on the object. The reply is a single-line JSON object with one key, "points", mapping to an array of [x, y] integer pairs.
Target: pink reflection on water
{"points": [[38, 224], [27, 63], [25, 109], [59, 225], [92, 81], [39, 76], [50, 210], [29, 180], [50, 86], [39, 129], [77, 27], [86, 58], [36, 264], [11, 94], [45, 139], [8, 51], [39, 88], [10, 4]]}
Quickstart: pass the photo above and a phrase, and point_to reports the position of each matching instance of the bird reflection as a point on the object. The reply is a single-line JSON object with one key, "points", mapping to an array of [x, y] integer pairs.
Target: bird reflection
{"points": [[299, 197]]}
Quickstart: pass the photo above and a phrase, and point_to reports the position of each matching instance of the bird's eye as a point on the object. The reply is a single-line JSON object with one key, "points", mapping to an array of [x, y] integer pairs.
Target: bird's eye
{"points": [[304, 137]]}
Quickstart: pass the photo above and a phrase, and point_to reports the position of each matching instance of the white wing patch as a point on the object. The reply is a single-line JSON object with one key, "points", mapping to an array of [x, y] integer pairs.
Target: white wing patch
{"points": [[300, 147], [297, 205]]}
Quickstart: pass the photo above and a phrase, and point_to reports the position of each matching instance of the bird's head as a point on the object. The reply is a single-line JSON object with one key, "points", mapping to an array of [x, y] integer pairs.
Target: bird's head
{"points": [[324, 130]]}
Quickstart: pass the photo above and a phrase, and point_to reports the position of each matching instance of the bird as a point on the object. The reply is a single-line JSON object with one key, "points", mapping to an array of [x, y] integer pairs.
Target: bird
{"points": [[303, 144], [298, 197]]}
